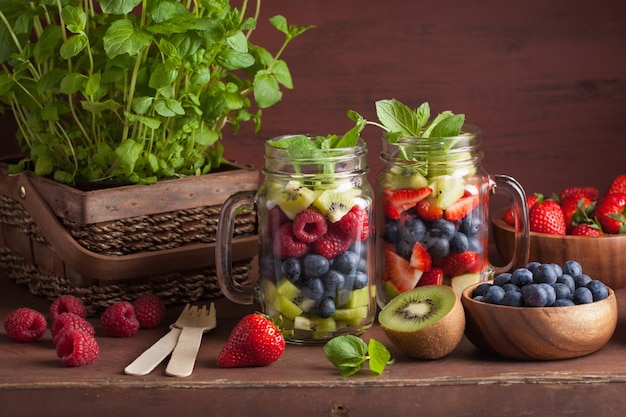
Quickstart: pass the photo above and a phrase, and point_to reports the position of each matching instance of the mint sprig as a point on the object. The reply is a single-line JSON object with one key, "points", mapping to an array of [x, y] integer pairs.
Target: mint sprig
{"points": [[350, 353]]}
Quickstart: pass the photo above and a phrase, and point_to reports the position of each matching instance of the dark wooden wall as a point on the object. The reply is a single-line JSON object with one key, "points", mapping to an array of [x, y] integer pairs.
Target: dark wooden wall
{"points": [[545, 80]]}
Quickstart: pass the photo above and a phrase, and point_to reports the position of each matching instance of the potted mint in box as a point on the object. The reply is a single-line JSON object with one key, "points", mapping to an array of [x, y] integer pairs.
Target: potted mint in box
{"points": [[132, 92]]}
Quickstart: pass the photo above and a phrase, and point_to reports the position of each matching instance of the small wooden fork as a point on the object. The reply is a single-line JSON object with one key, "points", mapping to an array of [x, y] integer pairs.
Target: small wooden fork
{"points": [[193, 325]]}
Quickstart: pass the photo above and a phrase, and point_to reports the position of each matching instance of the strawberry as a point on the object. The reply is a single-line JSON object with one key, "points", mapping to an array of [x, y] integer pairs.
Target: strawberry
{"points": [[420, 258], [254, 341], [585, 229], [432, 277], [576, 211], [618, 186], [461, 208], [592, 193], [428, 209], [397, 201], [611, 213], [546, 216], [530, 201], [401, 274], [460, 263]]}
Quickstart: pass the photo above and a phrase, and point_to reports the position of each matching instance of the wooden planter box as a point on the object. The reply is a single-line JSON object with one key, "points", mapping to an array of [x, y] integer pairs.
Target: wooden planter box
{"points": [[116, 243]]}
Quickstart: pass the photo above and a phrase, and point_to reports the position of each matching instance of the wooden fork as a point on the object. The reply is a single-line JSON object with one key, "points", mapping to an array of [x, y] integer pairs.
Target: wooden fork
{"points": [[193, 325]]}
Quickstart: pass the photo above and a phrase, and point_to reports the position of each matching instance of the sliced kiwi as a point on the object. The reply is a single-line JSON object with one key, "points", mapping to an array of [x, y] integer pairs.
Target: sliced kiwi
{"points": [[461, 282], [448, 190], [293, 198], [314, 327], [351, 316], [360, 297], [335, 203], [427, 322], [398, 177]]}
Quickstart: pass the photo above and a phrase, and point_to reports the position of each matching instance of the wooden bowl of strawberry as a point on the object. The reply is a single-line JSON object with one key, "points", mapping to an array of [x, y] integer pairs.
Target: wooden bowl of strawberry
{"points": [[580, 224]]}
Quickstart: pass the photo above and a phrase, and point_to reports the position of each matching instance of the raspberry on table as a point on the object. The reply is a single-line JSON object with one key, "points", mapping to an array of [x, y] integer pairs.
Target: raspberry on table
{"points": [[119, 320], [77, 348], [25, 325], [149, 310], [70, 321], [67, 304]]}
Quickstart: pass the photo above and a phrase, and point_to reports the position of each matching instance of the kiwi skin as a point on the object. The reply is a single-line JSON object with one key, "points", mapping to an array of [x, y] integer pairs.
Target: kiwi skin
{"points": [[434, 341]]}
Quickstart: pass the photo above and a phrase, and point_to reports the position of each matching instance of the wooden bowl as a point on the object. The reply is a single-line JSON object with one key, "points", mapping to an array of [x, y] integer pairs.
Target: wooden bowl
{"points": [[539, 333], [601, 257]]}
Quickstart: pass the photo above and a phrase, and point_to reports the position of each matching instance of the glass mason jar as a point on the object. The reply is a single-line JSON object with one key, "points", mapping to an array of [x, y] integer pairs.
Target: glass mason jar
{"points": [[316, 244], [432, 220]]}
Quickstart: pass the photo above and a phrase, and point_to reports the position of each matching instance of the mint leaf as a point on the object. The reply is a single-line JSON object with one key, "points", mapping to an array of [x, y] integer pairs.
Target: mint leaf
{"points": [[397, 117], [349, 354], [379, 356]]}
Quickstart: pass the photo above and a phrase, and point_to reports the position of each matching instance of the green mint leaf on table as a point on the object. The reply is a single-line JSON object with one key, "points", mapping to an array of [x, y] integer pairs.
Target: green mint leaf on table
{"points": [[349, 354]]}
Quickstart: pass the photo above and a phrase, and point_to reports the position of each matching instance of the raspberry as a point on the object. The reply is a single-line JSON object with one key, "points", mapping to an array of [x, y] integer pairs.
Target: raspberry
{"points": [[334, 242], [70, 321], [119, 320], [355, 223], [77, 348], [309, 225], [149, 310], [286, 245], [67, 304], [25, 325]]}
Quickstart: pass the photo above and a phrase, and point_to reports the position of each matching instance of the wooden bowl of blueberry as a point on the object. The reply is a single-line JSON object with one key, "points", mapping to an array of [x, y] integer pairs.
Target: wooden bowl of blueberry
{"points": [[540, 312]]}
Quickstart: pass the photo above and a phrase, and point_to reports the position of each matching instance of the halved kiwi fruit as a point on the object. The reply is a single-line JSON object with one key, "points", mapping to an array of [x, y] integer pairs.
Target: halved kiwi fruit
{"points": [[427, 322]]}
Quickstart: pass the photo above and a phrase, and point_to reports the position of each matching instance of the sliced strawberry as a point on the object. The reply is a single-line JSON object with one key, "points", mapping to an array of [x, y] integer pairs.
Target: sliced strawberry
{"points": [[401, 274], [461, 208], [428, 210], [397, 201], [420, 258], [432, 277], [460, 263]]}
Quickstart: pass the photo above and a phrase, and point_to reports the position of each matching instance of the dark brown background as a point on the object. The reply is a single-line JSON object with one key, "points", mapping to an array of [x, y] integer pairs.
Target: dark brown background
{"points": [[545, 80]]}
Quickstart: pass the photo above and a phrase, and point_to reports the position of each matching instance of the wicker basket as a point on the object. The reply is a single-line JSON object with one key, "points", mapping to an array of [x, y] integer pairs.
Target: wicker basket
{"points": [[115, 244]]}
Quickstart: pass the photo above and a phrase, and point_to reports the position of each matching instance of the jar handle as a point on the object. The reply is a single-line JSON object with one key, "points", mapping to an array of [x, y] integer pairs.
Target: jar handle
{"points": [[234, 291], [515, 192]]}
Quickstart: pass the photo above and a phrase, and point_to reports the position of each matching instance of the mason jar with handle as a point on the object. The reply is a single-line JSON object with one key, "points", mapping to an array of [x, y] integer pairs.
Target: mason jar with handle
{"points": [[432, 214], [316, 243]]}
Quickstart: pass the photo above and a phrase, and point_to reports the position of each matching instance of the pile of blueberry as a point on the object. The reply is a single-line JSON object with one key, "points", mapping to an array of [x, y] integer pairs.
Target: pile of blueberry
{"points": [[542, 285]]}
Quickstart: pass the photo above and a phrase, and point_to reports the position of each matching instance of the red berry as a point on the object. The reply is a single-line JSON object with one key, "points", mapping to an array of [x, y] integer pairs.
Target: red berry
{"points": [[355, 223], [592, 193], [77, 348], [67, 304], [255, 341], [618, 186], [334, 242], [400, 272], [530, 201], [576, 211], [461, 208], [420, 258], [149, 310], [428, 210], [70, 321], [547, 217], [611, 213], [286, 245], [432, 277], [25, 325], [585, 229], [460, 263], [119, 320], [309, 225], [397, 201]]}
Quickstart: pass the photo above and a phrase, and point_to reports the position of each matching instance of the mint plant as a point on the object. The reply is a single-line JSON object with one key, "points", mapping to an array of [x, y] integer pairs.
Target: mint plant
{"points": [[134, 90], [350, 354]]}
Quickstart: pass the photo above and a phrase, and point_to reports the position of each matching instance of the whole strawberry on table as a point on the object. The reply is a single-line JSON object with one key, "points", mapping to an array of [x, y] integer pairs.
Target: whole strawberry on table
{"points": [[578, 211]]}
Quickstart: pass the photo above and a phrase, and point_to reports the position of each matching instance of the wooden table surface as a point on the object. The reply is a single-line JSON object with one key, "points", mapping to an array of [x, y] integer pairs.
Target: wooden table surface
{"points": [[33, 382]]}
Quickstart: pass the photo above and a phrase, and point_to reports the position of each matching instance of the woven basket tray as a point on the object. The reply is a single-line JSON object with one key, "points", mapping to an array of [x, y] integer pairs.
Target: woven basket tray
{"points": [[115, 244]]}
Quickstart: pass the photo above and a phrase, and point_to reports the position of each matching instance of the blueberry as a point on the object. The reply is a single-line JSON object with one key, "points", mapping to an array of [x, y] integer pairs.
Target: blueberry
{"points": [[521, 277], [471, 224], [439, 247], [476, 245], [572, 268], [362, 265], [582, 295], [459, 243], [535, 295], [562, 302], [291, 268], [313, 288], [481, 289], [412, 231], [314, 265], [582, 280], [557, 268], [510, 287], [478, 298], [346, 262], [599, 291], [349, 281], [333, 280], [360, 280], [545, 273], [404, 248], [502, 279], [531, 266], [513, 299], [562, 291], [494, 295], [442, 228], [567, 280], [550, 292], [326, 307], [391, 232]]}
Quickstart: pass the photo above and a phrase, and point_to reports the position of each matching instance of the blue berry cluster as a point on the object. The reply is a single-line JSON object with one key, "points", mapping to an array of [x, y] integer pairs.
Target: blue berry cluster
{"points": [[542, 285]]}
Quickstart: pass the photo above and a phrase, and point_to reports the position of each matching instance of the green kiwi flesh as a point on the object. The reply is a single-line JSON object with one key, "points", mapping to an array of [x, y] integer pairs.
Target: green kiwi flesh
{"points": [[427, 322], [334, 204]]}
